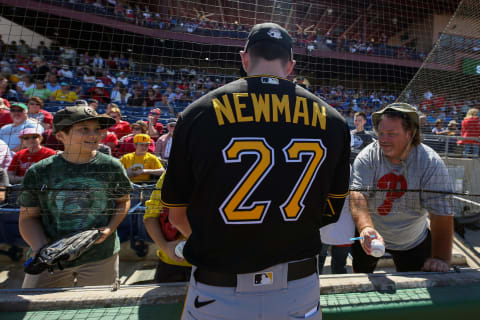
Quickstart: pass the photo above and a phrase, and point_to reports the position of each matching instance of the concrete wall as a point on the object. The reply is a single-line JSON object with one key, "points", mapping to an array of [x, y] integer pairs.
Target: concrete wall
{"points": [[421, 31], [460, 25], [11, 31]]}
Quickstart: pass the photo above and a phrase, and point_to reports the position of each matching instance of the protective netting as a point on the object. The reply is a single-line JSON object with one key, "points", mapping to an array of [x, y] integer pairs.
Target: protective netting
{"points": [[357, 55]]}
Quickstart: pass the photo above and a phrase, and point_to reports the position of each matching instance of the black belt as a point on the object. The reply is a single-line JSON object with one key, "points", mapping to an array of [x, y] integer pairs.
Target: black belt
{"points": [[296, 270]]}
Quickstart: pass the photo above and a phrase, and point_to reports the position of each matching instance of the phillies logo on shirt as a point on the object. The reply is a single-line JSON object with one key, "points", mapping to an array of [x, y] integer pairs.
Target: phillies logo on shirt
{"points": [[391, 181]]}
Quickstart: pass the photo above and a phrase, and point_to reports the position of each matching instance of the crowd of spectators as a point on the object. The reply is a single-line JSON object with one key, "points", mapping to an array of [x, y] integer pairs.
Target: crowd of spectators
{"points": [[142, 142], [201, 24]]}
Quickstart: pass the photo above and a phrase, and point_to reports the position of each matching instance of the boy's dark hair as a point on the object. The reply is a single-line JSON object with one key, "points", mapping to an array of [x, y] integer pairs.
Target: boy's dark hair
{"points": [[65, 130]]}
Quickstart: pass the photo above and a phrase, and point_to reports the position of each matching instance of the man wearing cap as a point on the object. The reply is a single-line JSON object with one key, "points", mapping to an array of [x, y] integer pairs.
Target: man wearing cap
{"points": [[155, 128], [31, 139], [259, 164], [9, 133], [126, 145], [76, 190], [164, 143], [397, 184], [99, 93], [142, 165], [64, 94]]}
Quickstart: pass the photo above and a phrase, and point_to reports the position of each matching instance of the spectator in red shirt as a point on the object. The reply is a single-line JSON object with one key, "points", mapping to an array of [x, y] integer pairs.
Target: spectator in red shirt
{"points": [[35, 111], [5, 117], [110, 140], [126, 144], [155, 128], [99, 93], [23, 159], [121, 128]]}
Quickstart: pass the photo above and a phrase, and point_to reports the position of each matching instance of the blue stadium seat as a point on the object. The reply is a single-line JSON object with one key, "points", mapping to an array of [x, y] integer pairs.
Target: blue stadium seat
{"points": [[9, 233]]}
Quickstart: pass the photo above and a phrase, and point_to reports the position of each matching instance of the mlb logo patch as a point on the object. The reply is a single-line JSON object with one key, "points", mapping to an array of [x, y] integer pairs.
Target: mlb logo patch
{"points": [[268, 80], [263, 278]]}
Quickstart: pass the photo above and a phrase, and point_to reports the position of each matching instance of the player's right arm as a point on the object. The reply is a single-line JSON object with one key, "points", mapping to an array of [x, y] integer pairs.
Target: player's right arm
{"points": [[155, 231], [31, 228]]}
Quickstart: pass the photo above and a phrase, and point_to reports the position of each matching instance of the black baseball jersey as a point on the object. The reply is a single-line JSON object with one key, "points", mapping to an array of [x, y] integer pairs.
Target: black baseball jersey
{"points": [[261, 164]]}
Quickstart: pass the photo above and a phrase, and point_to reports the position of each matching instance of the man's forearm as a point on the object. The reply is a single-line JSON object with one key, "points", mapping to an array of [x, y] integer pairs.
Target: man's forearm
{"points": [[155, 172], [441, 228], [359, 210]]}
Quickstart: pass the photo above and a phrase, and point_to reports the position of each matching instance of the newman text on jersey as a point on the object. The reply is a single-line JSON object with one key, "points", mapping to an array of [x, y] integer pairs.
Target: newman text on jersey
{"points": [[268, 108]]}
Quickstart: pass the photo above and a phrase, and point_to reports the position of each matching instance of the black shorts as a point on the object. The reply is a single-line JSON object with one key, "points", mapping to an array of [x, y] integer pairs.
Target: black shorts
{"points": [[405, 260]]}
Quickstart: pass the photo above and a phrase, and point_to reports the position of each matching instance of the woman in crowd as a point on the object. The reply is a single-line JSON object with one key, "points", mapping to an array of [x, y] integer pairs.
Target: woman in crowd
{"points": [[438, 128], [151, 98], [470, 128], [38, 91], [121, 96], [35, 111]]}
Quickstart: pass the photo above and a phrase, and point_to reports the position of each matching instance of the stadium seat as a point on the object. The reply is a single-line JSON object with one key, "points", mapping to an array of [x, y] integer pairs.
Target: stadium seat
{"points": [[9, 233]]}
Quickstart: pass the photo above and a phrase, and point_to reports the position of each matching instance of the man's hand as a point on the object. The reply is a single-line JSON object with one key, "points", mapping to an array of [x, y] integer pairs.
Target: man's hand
{"points": [[367, 233], [134, 171], [106, 231], [170, 250], [435, 265]]}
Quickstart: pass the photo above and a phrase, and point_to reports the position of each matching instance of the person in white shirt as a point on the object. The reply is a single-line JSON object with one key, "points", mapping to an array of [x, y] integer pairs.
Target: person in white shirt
{"points": [[9, 133]]}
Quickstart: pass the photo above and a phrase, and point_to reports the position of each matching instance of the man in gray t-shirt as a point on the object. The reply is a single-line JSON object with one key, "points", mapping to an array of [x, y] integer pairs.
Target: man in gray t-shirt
{"points": [[417, 186]]}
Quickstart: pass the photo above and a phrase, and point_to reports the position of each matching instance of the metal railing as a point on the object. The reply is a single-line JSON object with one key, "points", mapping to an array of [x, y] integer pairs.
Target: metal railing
{"points": [[446, 146]]}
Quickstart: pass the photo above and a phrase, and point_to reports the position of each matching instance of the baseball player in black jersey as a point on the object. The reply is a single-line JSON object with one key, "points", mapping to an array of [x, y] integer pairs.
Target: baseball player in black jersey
{"points": [[256, 168]]}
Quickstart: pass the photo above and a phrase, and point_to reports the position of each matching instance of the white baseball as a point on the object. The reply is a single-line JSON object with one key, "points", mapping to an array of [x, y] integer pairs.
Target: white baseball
{"points": [[378, 249], [179, 249]]}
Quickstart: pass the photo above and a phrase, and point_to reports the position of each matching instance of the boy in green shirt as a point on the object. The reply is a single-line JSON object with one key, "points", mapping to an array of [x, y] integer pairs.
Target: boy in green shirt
{"points": [[70, 192]]}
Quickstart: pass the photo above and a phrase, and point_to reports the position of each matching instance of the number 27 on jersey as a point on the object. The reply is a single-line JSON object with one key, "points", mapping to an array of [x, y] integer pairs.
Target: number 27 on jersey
{"points": [[235, 210]]}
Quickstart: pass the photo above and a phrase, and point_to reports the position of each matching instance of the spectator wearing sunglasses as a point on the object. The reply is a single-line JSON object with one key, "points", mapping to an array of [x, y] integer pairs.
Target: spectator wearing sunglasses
{"points": [[9, 133], [155, 128], [35, 111], [25, 158]]}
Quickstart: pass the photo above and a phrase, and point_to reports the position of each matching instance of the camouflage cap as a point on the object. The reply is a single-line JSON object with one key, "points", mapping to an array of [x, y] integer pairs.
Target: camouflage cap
{"points": [[70, 115]]}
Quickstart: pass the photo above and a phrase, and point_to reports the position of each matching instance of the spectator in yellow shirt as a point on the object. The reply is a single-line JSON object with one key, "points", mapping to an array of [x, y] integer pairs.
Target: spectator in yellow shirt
{"points": [[64, 94], [141, 165], [170, 268]]}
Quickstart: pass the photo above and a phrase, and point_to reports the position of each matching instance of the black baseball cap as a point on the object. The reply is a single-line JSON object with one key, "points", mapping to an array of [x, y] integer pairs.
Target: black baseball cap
{"points": [[68, 116], [270, 32]]}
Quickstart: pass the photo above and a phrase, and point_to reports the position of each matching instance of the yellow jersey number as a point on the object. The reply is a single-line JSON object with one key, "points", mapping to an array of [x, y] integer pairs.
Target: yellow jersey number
{"points": [[235, 209]]}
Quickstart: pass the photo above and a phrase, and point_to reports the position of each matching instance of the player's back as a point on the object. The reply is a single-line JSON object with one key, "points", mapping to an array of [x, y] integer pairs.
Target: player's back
{"points": [[261, 155]]}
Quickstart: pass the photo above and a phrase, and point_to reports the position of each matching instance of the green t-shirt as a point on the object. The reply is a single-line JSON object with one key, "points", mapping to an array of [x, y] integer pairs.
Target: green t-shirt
{"points": [[43, 94], [76, 197]]}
